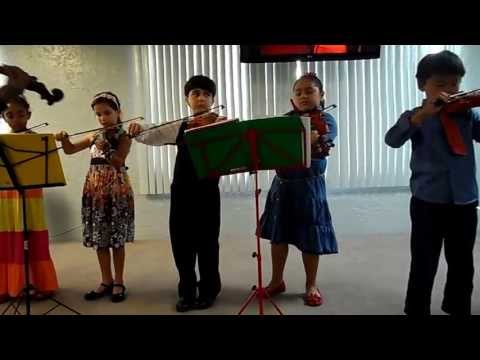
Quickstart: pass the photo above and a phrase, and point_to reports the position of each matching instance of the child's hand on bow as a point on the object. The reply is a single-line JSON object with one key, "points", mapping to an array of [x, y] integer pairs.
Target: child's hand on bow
{"points": [[134, 129]]}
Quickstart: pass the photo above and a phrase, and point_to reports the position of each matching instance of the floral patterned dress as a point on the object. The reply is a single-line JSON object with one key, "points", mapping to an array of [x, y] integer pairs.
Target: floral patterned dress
{"points": [[107, 202]]}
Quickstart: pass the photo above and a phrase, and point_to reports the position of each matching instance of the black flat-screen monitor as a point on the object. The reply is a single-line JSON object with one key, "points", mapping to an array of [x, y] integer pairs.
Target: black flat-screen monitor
{"points": [[294, 52]]}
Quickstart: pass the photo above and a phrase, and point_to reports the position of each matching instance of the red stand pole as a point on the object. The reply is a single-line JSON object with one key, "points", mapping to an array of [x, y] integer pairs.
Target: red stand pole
{"points": [[258, 291]]}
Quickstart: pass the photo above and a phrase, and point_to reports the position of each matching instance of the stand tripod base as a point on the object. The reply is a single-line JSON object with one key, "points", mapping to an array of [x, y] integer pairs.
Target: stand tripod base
{"points": [[260, 294], [16, 302]]}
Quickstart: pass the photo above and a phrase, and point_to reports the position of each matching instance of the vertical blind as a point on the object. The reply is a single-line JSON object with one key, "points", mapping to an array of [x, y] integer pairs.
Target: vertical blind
{"points": [[369, 94]]}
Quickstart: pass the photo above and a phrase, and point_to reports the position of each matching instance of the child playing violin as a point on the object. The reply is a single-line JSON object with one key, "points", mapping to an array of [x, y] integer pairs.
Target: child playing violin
{"points": [[43, 276], [296, 211], [194, 205], [107, 202], [443, 207]]}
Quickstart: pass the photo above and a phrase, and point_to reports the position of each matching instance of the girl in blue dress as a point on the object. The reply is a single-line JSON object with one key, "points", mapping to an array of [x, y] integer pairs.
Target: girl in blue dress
{"points": [[296, 210]]}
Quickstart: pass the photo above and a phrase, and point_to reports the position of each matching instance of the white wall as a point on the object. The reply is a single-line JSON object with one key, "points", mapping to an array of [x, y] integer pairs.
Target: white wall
{"points": [[81, 72], [471, 58]]}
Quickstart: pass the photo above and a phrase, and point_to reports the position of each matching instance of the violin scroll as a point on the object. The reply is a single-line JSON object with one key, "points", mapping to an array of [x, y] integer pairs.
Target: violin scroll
{"points": [[52, 97], [19, 79]]}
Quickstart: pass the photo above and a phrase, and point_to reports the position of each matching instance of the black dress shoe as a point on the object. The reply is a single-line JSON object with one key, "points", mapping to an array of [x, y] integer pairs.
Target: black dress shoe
{"points": [[184, 305], [455, 313], [204, 303]]}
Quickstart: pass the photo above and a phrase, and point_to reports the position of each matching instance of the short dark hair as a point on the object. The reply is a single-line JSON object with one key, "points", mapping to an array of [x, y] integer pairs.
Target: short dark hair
{"points": [[442, 63], [200, 82], [20, 100]]}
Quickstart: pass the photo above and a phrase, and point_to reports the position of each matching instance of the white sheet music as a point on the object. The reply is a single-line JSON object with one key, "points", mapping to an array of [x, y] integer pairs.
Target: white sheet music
{"points": [[308, 146]]}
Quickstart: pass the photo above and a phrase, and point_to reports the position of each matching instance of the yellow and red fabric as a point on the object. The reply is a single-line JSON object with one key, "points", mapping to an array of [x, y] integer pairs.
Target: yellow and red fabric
{"points": [[12, 271]]}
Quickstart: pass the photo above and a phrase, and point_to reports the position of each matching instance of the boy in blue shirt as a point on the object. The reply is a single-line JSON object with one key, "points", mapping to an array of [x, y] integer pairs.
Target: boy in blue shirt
{"points": [[443, 207]]}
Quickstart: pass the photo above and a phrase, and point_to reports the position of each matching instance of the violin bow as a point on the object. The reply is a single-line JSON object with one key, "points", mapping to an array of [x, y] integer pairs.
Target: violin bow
{"points": [[31, 128], [181, 119], [106, 128]]}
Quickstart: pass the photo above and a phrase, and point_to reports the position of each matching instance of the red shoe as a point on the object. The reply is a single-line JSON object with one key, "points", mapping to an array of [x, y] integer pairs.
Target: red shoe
{"points": [[314, 299], [273, 291]]}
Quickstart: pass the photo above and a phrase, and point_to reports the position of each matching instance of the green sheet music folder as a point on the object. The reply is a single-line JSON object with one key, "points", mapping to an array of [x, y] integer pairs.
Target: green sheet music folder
{"points": [[234, 146]]}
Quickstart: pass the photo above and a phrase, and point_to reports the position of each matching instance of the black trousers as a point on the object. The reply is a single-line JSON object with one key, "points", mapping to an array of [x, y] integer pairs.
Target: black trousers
{"points": [[194, 231], [433, 225]]}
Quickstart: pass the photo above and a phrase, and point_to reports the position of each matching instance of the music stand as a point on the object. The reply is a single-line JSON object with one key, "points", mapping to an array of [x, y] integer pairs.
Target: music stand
{"points": [[250, 146], [28, 162]]}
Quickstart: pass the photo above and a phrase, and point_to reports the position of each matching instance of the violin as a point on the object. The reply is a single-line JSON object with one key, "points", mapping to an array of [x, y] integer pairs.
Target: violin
{"points": [[457, 103], [322, 146], [460, 102], [185, 119], [209, 118], [32, 84], [106, 129]]}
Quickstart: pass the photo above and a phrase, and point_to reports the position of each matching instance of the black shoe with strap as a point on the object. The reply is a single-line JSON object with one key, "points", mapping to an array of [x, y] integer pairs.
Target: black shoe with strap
{"points": [[119, 297], [93, 295]]}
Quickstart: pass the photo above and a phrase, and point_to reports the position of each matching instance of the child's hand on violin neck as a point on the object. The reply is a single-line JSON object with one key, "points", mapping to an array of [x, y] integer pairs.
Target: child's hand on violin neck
{"points": [[101, 144], [430, 107], [434, 105], [101, 141], [134, 129]]}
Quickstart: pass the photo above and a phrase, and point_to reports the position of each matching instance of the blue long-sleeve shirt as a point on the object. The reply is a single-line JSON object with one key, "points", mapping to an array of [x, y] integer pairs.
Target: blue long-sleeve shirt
{"points": [[439, 176]]}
